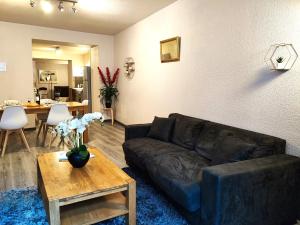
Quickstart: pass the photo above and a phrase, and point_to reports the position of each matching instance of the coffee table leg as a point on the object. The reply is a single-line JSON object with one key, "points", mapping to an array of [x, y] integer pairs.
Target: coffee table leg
{"points": [[131, 203], [38, 177], [54, 215]]}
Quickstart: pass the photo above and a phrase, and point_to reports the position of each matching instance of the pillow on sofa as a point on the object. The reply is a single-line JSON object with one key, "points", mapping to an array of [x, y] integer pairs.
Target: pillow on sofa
{"points": [[161, 128], [232, 149], [186, 130]]}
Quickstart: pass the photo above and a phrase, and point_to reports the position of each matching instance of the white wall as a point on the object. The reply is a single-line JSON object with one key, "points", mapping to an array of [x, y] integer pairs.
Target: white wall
{"points": [[16, 51], [222, 74]]}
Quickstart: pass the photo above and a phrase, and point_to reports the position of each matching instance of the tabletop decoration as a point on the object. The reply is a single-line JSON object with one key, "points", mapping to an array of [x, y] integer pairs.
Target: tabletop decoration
{"points": [[71, 131]]}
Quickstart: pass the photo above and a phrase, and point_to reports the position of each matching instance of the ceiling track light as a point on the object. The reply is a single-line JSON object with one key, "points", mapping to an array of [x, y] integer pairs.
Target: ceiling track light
{"points": [[32, 3], [74, 9], [60, 6]]}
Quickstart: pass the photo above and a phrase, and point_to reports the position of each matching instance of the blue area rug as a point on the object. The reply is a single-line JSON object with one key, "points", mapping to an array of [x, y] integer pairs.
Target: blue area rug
{"points": [[25, 207]]}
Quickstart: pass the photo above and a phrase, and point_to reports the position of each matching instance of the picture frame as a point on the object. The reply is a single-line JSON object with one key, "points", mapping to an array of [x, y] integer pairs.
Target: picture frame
{"points": [[170, 50], [47, 76]]}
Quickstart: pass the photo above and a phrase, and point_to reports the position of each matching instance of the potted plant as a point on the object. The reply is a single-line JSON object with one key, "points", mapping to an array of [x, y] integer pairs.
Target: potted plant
{"points": [[280, 63], [71, 132], [110, 90]]}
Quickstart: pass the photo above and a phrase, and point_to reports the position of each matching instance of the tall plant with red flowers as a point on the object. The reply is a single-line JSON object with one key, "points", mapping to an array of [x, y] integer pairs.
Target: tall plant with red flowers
{"points": [[109, 90]]}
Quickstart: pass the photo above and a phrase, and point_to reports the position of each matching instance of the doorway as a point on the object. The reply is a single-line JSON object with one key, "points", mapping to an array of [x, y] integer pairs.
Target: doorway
{"points": [[62, 71]]}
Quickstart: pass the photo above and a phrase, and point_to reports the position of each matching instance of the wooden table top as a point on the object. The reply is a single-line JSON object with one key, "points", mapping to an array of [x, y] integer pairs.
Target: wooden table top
{"points": [[62, 181], [46, 107]]}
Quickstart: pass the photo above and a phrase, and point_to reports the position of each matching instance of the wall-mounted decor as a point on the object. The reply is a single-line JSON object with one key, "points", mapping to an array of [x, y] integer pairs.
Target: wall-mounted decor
{"points": [[47, 76], [129, 67], [170, 50], [281, 57]]}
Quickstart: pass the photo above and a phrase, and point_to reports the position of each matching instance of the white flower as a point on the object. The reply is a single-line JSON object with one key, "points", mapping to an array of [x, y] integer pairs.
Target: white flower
{"points": [[75, 124], [97, 115], [81, 129], [63, 128], [91, 117], [73, 129]]}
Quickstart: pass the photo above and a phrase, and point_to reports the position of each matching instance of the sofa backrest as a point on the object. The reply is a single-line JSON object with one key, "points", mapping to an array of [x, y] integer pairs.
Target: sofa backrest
{"points": [[186, 130], [206, 137]]}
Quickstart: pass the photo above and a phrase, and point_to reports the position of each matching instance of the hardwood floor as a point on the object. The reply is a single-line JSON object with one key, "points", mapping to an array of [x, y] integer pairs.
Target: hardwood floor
{"points": [[18, 166]]}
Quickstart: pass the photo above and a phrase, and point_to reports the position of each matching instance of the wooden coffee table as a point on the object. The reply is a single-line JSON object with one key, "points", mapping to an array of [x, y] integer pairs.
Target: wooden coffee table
{"points": [[96, 192]]}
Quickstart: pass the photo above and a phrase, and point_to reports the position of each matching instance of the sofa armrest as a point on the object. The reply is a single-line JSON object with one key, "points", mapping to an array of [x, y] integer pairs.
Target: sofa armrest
{"points": [[259, 191], [136, 131]]}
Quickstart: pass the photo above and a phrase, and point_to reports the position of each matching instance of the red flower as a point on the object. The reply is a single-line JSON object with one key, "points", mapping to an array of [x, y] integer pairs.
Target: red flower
{"points": [[115, 77], [108, 81], [108, 76], [102, 76]]}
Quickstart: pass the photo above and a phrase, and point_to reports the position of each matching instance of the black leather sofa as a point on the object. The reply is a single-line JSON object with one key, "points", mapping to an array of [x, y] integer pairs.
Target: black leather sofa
{"points": [[217, 174]]}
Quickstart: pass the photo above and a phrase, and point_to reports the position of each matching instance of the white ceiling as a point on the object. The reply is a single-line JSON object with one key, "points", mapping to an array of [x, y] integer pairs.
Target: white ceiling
{"points": [[50, 46], [94, 16]]}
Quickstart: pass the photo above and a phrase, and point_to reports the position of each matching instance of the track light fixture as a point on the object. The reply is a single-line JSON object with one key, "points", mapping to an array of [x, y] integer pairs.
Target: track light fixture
{"points": [[32, 3], [60, 6], [74, 7]]}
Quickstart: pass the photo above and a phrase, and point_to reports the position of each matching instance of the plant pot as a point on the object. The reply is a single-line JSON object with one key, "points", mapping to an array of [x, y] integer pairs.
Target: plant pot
{"points": [[108, 103], [77, 160]]}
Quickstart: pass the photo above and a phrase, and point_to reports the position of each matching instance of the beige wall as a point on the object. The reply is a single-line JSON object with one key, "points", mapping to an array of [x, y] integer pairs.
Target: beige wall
{"points": [[16, 51], [222, 74]]}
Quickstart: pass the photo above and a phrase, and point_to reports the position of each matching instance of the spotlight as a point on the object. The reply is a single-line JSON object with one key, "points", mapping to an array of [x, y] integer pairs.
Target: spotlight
{"points": [[61, 6], [46, 6], [32, 3], [74, 8]]}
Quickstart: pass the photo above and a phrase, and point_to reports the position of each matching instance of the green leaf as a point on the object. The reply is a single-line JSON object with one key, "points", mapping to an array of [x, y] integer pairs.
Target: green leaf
{"points": [[84, 154], [69, 153], [82, 148]]}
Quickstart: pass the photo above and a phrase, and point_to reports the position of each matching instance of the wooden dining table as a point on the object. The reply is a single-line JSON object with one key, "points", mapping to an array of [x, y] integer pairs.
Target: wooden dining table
{"points": [[74, 108]]}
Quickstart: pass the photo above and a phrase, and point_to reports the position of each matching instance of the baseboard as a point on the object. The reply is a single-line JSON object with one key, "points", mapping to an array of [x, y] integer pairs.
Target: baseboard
{"points": [[122, 124]]}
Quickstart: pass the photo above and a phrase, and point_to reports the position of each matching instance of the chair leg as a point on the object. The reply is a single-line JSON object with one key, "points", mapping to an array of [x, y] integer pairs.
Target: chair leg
{"points": [[1, 139], [45, 135], [5, 143], [40, 128], [44, 128], [24, 139], [52, 139]]}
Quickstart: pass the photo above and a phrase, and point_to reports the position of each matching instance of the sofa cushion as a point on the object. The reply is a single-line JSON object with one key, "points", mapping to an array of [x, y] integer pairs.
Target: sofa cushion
{"points": [[213, 132], [232, 149], [161, 128], [186, 130], [179, 175], [139, 149]]}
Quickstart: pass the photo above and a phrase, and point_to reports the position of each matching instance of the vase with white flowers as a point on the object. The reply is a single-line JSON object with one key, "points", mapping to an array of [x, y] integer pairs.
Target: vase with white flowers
{"points": [[71, 133]]}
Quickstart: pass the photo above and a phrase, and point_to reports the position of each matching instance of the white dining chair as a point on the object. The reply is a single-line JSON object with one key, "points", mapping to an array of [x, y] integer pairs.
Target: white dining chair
{"points": [[13, 119], [58, 113], [85, 102]]}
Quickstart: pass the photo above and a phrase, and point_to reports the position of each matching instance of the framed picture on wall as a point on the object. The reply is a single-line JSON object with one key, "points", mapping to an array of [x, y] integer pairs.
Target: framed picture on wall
{"points": [[47, 76], [170, 50]]}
